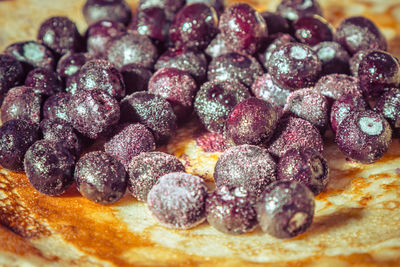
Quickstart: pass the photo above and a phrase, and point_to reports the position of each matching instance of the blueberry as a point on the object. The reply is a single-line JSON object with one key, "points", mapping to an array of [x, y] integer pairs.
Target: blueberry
{"points": [[146, 169], [231, 210], [70, 63], [114, 10], [136, 78], [271, 43], [56, 106], [333, 56], [286, 209], [177, 201], [11, 74], [100, 177], [334, 86], [151, 22], [389, 106], [49, 167], [16, 136], [294, 9], [44, 81], [312, 30], [246, 165], [355, 60], [217, 47], [170, 7]]}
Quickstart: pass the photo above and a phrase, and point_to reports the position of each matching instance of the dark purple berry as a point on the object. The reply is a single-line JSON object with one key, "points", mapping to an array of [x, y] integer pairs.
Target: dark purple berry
{"points": [[215, 100], [32, 55], [189, 60], [70, 63], [136, 78], [275, 22], [146, 169], [271, 43], [242, 28], [355, 60], [151, 110], [92, 112], [389, 106], [364, 136], [333, 56], [11, 74], [170, 7], [177, 201], [312, 30], [100, 177], [294, 133], [343, 106], [101, 74], [218, 5], [114, 10], [56, 106], [151, 22], [306, 166], [217, 47], [130, 141], [234, 66], [176, 86], [252, 122], [249, 166], [61, 35], [62, 132], [98, 34], [194, 26], [294, 66], [71, 84], [16, 136], [334, 86], [231, 210], [265, 88], [358, 33], [378, 70], [44, 81], [22, 103], [309, 105], [131, 48], [295, 9], [286, 209], [49, 167]]}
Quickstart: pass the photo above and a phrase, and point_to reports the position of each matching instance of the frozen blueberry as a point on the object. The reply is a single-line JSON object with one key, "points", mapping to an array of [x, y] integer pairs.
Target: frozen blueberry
{"points": [[265, 88], [294, 9], [61, 35], [56, 106], [130, 141], [146, 169], [355, 60], [312, 30], [364, 136], [194, 26], [358, 33], [242, 28], [189, 60], [131, 48], [309, 105], [378, 70], [32, 54], [343, 106], [217, 47], [215, 100], [231, 210], [151, 110], [101, 74], [294, 65], [61, 131], [252, 122], [249, 166], [16, 136], [22, 103], [100, 177], [306, 166], [11, 74], [177, 201], [44, 81], [294, 133], [170, 7], [234, 66], [334, 86], [177, 86], [333, 56], [70, 63], [389, 106], [286, 209], [92, 112], [136, 78], [49, 167], [114, 10], [99, 33], [271, 43], [275, 22]]}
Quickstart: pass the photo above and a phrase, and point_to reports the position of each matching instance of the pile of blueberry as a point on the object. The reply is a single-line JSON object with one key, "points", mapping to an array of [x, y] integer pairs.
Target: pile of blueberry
{"points": [[272, 83]]}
